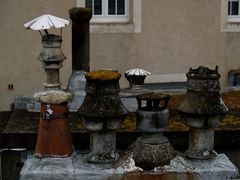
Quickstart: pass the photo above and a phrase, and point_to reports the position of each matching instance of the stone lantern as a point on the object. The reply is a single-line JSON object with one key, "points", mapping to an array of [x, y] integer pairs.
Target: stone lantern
{"points": [[152, 148], [103, 113], [54, 137], [202, 109], [51, 58]]}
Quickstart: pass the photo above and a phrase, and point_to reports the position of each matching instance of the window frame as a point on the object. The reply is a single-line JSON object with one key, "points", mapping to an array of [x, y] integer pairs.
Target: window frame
{"points": [[106, 18], [234, 18], [228, 23], [134, 25]]}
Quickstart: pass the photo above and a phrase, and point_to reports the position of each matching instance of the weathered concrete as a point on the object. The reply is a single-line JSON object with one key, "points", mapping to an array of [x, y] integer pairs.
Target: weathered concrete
{"points": [[53, 96], [75, 168], [219, 168]]}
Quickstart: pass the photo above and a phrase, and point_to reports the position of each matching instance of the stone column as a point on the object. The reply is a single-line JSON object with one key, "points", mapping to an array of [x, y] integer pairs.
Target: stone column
{"points": [[80, 38], [80, 54]]}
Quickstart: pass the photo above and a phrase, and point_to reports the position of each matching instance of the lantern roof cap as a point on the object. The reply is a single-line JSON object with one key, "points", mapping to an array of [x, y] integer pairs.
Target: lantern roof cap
{"points": [[137, 72], [46, 21]]}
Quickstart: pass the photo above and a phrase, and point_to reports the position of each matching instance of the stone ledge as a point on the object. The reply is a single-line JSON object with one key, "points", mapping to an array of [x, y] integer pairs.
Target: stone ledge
{"points": [[74, 168], [219, 168]]}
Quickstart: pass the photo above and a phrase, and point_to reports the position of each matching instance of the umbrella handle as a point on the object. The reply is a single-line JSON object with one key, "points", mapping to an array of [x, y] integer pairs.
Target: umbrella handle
{"points": [[40, 33], [46, 31]]}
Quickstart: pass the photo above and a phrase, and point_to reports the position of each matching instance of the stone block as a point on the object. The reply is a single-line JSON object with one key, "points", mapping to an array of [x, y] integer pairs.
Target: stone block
{"points": [[218, 168]]}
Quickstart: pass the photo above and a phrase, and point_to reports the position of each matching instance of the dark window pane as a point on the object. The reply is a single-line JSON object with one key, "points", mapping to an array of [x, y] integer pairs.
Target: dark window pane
{"points": [[97, 7], [111, 7], [234, 8], [89, 4], [120, 7]]}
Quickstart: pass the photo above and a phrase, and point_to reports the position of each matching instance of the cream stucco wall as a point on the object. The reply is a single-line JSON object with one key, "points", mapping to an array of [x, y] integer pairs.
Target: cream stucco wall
{"points": [[174, 36], [20, 48]]}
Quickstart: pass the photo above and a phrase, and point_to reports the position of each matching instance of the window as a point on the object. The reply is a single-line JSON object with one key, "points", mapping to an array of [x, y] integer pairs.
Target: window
{"points": [[109, 10], [114, 16], [230, 15], [233, 7], [233, 11]]}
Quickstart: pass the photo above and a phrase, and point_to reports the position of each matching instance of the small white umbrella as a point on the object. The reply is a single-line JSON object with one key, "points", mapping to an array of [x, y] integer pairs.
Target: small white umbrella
{"points": [[46, 21], [138, 72]]}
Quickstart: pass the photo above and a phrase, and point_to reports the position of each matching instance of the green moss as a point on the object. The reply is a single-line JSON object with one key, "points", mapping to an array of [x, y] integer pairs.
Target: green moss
{"points": [[103, 75], [80, 13]]}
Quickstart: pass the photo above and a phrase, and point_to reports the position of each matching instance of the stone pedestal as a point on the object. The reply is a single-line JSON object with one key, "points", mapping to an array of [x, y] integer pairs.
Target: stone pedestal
{"points": [[199, 147], [218, 168], [103, 146], [75, 167]]}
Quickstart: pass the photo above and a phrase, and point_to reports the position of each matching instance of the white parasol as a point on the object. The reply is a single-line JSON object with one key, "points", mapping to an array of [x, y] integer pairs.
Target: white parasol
{"points": [[46, 21], [138, 72]]}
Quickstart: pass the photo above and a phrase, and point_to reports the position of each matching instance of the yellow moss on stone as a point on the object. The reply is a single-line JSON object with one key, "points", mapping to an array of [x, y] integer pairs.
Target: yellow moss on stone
{"points": [[103, 75]]}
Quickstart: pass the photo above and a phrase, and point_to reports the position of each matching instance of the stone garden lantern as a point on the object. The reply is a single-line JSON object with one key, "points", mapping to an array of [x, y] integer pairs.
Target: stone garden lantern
{"points": [[202, 109], [54, 138], [103, 113], [152, 148]]}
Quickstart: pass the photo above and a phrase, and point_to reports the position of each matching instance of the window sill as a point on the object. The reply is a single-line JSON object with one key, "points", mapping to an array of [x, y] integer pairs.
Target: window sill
{"points": [[110, 19], [113, 28], [234, 19], [232, 24]]}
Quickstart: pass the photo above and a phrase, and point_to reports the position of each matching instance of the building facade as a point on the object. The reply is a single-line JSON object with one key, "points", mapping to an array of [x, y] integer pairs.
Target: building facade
{"points": [[165, 37]]}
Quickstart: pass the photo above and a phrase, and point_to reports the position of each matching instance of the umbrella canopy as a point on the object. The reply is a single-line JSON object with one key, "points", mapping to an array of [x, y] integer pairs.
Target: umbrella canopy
{"points": [[138, 72], [46, 21]]}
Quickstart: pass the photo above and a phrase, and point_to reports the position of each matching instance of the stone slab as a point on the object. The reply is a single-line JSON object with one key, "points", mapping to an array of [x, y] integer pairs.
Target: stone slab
{"points": [[75, 168], [219, 168], [53, 96]]}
